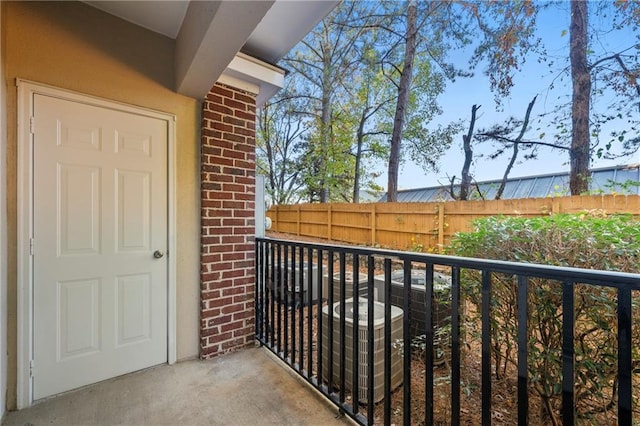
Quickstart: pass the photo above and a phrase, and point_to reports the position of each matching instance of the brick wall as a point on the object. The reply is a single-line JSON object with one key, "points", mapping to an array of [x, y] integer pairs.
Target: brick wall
{"points": [[227, 270]]}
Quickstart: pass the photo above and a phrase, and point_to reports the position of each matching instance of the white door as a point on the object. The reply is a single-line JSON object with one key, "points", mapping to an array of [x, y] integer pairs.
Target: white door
{"points": [[99, 216]]}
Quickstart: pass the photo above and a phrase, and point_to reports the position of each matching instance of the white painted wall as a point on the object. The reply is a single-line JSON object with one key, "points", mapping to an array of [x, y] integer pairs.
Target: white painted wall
{"points": [[3, 233], [260, 208]]}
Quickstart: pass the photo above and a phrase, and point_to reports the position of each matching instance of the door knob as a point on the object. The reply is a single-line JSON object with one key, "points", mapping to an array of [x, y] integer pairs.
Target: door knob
{"points": [[158, 254]]}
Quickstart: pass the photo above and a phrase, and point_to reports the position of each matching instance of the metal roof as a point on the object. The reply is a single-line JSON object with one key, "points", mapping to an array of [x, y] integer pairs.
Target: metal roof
{"points": [[624, 179]]}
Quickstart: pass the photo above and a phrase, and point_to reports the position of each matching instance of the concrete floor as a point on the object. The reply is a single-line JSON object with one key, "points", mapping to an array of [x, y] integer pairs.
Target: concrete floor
{"points": [[249, 387]]}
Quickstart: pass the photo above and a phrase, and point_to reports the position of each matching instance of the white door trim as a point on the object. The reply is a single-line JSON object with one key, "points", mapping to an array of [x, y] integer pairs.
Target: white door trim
{"points": [[26, 92]]}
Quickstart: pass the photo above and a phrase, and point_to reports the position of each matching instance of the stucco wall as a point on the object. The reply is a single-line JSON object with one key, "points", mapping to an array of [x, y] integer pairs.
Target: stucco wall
{"points": [[73, 46], [3, 240]]}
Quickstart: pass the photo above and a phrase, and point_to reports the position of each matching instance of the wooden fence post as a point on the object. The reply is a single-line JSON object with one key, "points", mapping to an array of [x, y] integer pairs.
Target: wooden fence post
{"points": [[276, 225], [440, 226], [298, 219], [372, 223], [329, 217]]}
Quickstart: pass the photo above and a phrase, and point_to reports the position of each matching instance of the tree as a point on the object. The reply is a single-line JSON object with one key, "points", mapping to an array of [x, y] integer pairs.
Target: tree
{"points": [[581, 79], [403, 98], [500, 133], [278, 140], [362, 116], [468, 156], [418, 67], [596, 71], [326, 59]]}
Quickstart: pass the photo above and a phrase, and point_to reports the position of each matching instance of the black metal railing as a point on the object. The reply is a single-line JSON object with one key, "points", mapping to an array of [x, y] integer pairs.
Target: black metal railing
{"points": [[385, 334]]}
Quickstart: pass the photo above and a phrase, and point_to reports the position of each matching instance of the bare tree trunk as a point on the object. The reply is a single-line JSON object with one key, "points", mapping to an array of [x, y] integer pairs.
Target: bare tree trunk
{"points": [[403, 97], [465, 183], [359, 142], [516, 143], [581, 78], [324, 154]]}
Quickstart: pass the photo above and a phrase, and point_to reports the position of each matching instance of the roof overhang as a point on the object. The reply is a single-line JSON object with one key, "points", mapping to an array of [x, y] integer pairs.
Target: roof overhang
{"points": [[211, 34], [248, 73]]}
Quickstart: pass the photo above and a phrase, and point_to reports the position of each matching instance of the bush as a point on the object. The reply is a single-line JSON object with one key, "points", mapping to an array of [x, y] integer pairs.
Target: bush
{"points": [[589, 240]]}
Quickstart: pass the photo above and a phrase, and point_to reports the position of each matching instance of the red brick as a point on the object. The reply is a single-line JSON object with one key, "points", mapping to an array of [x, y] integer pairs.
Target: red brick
{"points": [[220, 303], [220, 337], [244, 196], [244, 264], [221, 109], [248, 116], [220, 285], [234, 290], [227, 203], [229, 153], [243, 213], [233, 344], [234, 104], [245, 132], [231, 187], [232, 326], [210, 133], [247, 147], [212, 276], [212, 150], [208, 313], [235, 171], [244, 98], [221, 91], [233, 222], [227, 239], [243, 315], [239, 139], [244, 164], [233, 273], [227, 119], [233, 256], [247, 331], [233, 205]]}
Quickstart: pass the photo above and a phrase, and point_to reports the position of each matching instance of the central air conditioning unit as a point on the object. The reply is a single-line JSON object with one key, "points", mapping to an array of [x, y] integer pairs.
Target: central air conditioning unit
{"points": [[348, 287], [301, 289], [441, 296], [363, 347]]}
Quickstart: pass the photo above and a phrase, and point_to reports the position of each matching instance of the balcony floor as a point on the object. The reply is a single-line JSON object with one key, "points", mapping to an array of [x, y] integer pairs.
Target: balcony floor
{"points": [[247, 387]]}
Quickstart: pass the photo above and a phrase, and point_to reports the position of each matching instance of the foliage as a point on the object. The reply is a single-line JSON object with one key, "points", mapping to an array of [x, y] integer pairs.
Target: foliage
{"points": [[325, 62], [590, 240], [279, 139]]}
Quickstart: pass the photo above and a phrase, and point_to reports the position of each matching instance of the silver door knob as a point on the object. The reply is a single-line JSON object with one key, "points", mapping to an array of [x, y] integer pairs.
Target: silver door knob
{"points": [[158, 254]]}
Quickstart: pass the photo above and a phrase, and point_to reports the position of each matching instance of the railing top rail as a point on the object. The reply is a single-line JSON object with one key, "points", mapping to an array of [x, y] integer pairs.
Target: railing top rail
{"points": [[561, 273]]}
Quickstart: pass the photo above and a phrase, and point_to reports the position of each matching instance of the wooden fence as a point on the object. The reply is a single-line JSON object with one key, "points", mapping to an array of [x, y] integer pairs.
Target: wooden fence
{"points": [[424, 226]]}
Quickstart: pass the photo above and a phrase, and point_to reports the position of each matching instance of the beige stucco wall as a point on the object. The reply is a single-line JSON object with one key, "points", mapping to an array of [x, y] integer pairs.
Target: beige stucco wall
{"points": [[3, 241], [73, 46]]}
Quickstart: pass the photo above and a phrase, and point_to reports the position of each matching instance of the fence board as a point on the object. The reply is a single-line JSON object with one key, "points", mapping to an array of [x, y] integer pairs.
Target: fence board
{"points": [[425, 226]]}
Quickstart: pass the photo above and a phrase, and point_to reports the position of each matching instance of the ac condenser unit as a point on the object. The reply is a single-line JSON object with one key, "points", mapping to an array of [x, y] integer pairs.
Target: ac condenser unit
{"points": [[348, 286], [441, 296], [298, 294], [363, 347]]}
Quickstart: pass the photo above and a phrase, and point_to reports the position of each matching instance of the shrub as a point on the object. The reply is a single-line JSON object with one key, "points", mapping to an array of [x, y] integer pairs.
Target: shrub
{"points": [[590, 240]]}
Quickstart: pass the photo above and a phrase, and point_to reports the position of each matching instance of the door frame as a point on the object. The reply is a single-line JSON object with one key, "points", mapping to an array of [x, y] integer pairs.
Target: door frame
{"points": [[26, 91]]}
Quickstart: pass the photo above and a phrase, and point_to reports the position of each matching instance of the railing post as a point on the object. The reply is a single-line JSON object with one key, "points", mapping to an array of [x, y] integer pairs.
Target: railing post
{"points": [[568, 353], [625, 360]]}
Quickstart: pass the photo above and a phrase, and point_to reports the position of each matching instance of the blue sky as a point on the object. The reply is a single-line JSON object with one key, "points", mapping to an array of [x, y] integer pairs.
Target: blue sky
{"points": [[533, 79]]}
